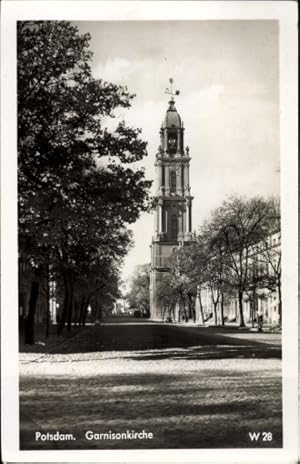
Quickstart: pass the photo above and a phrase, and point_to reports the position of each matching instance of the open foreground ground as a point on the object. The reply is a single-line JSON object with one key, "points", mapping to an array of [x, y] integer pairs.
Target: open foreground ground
{"points": [[191, 387]]}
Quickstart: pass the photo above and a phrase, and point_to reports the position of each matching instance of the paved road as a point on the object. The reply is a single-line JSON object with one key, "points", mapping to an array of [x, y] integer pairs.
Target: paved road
{"points": [[191, 387], [127, 334]]}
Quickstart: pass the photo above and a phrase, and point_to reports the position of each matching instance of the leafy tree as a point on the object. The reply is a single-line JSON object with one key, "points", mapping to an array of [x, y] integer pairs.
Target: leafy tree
{"points": [[77, 191], [98, 287], [167, 294], [177, 288], [105, 294], [184, 282], [139, 294]]}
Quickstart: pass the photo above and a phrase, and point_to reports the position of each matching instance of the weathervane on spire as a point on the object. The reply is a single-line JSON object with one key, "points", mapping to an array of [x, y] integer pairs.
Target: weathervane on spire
{"points": [[170, 91]]}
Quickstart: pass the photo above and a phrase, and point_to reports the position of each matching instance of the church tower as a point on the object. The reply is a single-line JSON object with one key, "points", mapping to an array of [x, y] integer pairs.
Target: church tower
{"points": [[173, 214]]}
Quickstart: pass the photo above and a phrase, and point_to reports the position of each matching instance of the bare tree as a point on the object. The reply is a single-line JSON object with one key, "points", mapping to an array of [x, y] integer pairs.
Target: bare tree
{"points": [[238, 225]]}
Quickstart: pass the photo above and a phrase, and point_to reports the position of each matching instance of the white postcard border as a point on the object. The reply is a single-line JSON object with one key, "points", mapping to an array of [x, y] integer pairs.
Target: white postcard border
{"points": [[286, 13]]}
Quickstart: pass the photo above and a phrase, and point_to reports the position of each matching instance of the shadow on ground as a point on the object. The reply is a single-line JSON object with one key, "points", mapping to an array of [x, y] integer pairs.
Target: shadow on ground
{"points": [[214, 352], [207, 409], [203, 343]]}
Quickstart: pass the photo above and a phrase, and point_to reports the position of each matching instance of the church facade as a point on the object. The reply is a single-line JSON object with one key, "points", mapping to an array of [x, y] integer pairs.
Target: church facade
{"points": [[173, 214]]}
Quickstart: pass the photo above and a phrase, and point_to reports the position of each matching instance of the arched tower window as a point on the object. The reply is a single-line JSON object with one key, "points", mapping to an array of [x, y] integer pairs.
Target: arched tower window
{"points": [[173, 181], [174, 226], [172, 142]]}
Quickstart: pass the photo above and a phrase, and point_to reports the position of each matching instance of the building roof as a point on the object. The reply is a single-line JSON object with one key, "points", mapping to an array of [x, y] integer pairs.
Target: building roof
{"points": [[172, 118]]}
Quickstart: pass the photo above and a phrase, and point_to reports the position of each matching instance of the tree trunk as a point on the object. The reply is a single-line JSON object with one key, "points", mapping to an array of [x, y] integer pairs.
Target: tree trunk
{"points": [[93, 305], [252, 309], [29, 323], [201, 307], [184, 307], [63, 318], [66, 307], [215, 303], [222, 308], [99, 310], [192, 307], [279, 303], [76, 311], [215, 312], [81, 310], [242, 321], [254, 304], [85, 309], [71, 301], [172, 312], [48, 303]]}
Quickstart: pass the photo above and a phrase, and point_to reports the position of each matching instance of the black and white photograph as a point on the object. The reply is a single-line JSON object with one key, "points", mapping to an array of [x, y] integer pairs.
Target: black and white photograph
{"points": [[151, 275]]}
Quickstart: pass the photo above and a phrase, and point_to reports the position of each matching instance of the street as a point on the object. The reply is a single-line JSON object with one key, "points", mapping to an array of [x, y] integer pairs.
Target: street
{"points": [[191, 387]]}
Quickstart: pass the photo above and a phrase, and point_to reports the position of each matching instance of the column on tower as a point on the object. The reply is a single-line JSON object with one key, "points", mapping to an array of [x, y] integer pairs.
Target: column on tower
{"points": [[159, 176], [190, 218], [178, 141], [179, 178], [182, 179], [156, 224], [160, 217], [166, 220], [186, 177], [188, 228], [165, 139], [183, 219], [180, 225], [167, 179], [173, 179], [187, 217]]}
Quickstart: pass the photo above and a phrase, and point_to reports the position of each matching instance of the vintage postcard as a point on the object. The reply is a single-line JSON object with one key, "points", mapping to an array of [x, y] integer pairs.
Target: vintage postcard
{"points": [[149, 231]]}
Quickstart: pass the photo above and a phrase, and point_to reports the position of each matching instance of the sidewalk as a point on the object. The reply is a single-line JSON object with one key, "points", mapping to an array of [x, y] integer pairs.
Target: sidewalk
{"points": [[45, 344], [228, 326]]}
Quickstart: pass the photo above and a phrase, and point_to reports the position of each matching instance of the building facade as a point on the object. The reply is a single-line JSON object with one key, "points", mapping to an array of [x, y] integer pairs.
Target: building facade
{"points": [[263, 297], [173, 214]]}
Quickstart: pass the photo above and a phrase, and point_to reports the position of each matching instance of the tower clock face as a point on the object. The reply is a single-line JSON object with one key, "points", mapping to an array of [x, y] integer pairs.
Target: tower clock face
{"points": [[172, 141]]}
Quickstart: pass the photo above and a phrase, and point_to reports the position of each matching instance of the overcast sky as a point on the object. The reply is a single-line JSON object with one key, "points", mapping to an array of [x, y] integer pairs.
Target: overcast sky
{"points": [[228, 76]]}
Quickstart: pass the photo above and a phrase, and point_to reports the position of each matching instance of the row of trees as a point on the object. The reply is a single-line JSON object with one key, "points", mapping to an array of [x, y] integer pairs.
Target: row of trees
{"points": [[77, 188], [232, 255]]}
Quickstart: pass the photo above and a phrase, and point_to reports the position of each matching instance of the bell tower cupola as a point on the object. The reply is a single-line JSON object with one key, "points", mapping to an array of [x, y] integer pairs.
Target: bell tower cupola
{"points": [[171, 132]]}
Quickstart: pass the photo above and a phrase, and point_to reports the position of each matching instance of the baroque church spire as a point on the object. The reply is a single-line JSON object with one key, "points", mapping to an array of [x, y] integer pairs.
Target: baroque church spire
{"points": [[173, 214]]}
